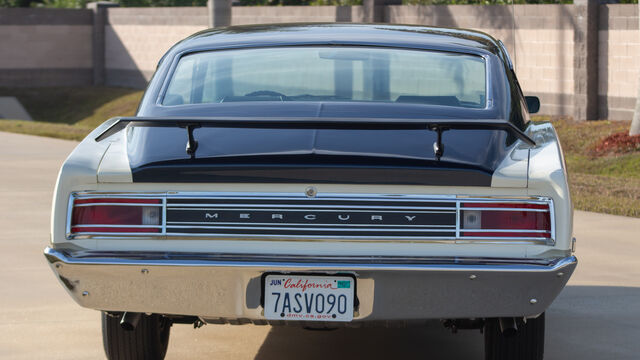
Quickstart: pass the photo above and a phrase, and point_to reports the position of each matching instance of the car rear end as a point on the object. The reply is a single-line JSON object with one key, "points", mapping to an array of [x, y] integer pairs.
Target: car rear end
{"points": [[407, 255], [312, 209]]}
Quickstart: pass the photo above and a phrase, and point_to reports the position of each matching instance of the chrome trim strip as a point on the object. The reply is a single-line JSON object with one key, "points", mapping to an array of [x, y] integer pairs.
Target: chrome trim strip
{"points": [[458, 219], [288, 238], [505, 230], [365, 197], [88, 195], [119, 226], [317, 238], [503, 209], [300, 229], [552, 220], [118, 204], [174, 195], [444, 210], [164, 215], [69, 215], [356, 206], [113, 235], [488, 79], [249, 226], [295, 261], [299, 196], [260, 207], [505, 240], [394, 239], [533, 199]]}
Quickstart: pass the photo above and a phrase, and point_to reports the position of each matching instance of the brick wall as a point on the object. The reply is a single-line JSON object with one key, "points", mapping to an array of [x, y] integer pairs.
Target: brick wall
{"points": [[45, 47], [618, 61], [543, 53]]}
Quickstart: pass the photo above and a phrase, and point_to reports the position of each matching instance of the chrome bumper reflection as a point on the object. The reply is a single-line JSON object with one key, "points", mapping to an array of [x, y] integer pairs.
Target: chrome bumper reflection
{"points": [[227, 287]]}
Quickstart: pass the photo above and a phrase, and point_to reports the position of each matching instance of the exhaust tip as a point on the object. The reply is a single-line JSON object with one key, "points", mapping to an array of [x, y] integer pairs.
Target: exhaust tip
{"points": [[130, 320], [508, 326]]}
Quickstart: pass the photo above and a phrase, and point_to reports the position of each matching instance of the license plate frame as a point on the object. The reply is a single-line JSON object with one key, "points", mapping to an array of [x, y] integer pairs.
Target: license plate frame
{"points": [[352, 303]]}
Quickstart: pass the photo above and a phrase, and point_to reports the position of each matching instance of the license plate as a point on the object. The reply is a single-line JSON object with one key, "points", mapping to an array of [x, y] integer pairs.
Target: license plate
{"points": [[309, 298]]}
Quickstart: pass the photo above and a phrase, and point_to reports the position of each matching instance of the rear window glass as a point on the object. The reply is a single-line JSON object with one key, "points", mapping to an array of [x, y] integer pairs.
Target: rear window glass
{"points": [[329, 74]]}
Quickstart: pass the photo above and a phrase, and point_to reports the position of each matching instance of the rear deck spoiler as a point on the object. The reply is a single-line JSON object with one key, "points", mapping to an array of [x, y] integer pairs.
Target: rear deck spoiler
{"points": [[437, 125]]}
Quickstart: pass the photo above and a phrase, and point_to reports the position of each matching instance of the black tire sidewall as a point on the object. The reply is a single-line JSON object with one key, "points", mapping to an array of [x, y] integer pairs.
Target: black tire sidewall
{"points": [[526, 344], [149, 340]]}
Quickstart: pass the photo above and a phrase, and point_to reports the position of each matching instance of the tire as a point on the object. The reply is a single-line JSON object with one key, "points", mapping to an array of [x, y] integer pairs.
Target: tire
{"points": [[526, 344], [148, 341]]}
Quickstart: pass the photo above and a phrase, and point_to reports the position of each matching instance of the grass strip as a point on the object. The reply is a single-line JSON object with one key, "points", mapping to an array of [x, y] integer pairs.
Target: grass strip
{"points": [[605, 194], [40, 128]]}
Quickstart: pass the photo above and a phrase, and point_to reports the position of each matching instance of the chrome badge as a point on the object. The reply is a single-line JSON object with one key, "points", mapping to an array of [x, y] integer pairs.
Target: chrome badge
{"points": [[311, 191]]}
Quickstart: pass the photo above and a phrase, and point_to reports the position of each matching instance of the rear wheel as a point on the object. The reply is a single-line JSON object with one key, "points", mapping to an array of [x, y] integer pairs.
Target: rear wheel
{"points": [[526, 344], [148, 341]]}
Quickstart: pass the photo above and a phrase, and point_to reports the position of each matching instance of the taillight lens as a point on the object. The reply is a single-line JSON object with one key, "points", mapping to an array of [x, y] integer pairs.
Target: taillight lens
{"points": [[505, 220], [116, 215]]}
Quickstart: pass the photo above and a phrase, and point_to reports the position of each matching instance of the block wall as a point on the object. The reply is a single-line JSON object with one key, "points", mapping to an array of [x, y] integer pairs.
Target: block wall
{"points": [[45, 47], [53, 47], [136, 38], [543, 51], [243, 15], [618, 61]]}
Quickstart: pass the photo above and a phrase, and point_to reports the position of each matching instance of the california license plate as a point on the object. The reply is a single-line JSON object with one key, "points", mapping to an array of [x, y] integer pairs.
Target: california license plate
{"points": [[308, 297]]}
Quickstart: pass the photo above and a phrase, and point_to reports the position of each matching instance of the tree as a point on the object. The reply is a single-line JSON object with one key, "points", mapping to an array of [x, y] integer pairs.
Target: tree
{"points": [[18, 3], [635, 124]]}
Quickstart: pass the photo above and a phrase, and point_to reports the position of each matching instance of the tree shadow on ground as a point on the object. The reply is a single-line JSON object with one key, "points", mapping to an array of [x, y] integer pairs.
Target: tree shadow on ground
{"points": [[73, 104], [585, 322], [432, 341]]}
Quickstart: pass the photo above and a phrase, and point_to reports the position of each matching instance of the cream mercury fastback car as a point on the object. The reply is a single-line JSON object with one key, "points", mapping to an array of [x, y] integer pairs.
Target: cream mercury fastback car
{"points": [[320, 175]]}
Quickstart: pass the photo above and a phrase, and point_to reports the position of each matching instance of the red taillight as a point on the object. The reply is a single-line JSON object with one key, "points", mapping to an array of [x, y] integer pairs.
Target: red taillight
{"points": [[497, 219], [116, 215]]}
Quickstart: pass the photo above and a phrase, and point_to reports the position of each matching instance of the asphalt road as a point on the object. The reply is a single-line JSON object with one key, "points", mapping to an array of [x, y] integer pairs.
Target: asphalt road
{"points": [[596, 317]]}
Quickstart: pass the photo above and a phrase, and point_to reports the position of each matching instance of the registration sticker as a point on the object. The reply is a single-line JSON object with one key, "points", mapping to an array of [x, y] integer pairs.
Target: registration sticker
{"points": [[309, 297]]}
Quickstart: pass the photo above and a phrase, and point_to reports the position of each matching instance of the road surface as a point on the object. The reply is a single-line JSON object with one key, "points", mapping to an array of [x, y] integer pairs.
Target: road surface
{"points": [[596, 317]]}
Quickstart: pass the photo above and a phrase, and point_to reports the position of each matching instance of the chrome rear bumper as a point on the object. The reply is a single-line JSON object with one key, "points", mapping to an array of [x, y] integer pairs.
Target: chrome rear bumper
{"points": [[228, 287]]}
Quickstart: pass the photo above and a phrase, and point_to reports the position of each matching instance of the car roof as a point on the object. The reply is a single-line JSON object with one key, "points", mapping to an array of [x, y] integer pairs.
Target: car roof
{"points": [[409, 36], [335, 34]]}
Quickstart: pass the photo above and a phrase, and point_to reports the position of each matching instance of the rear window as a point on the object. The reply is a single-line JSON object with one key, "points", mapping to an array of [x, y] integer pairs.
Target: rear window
{"points": [[329, 74]]}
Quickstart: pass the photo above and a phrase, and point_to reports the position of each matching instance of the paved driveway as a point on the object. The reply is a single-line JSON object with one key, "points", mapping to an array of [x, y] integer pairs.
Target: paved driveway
{"points": [[596, 317]]}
